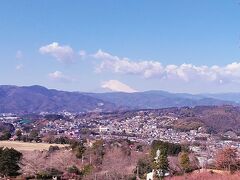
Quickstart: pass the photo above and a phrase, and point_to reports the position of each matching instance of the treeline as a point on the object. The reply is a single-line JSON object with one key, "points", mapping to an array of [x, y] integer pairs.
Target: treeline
{"points": [[172, 149], [34, 135], [18, 135]]}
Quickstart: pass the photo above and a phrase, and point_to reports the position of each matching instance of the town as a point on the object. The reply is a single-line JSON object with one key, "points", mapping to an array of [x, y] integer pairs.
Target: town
{"points": [[142, 126]]}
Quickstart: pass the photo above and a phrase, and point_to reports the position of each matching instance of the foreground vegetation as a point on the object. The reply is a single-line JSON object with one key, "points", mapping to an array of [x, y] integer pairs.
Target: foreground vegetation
{"points": [[116, 159]]}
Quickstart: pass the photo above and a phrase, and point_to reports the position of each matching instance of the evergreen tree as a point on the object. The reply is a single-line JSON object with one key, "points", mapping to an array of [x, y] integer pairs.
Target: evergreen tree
{"points": [[161, 164], [184, 161], [9, 161]]}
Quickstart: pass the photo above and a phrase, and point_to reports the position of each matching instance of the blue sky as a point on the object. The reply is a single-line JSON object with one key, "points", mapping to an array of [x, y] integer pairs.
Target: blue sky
{"points": [[120, 45]]}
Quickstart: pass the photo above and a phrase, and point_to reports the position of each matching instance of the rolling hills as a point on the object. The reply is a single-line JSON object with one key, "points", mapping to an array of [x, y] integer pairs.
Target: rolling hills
{"points": [[38, 99], [34, 99]]}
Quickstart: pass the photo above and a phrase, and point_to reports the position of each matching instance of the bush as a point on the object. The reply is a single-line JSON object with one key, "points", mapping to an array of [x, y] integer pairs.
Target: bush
{"points": [[62, 140], [139, 148], [87, 169], [49, 173], [74, 170], [53, 148], [144, 167]]}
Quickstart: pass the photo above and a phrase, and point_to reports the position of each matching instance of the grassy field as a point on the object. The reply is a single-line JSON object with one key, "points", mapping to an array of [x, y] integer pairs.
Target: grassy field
{"points": [[25, 146]]}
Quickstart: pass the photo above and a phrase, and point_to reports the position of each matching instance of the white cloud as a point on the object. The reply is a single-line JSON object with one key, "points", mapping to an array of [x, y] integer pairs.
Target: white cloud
{"points": [[104, 55], [154, 69], [59, 76], [115, 85], [19, 67], [126, 66], [62, 53], [19, 54], [82, 53]]}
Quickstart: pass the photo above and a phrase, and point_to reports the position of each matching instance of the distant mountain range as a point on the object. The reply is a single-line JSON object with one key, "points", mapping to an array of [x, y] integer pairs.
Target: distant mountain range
{"points": [[35, 99]]}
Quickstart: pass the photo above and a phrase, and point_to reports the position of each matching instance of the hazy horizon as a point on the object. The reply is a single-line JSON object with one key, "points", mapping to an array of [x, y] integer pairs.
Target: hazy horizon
{"points": [[111, 91]]}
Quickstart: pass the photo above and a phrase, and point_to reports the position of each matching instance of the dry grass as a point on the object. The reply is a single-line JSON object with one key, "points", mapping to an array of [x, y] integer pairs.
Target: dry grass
{"points": [[207, 176], [26, 146]]}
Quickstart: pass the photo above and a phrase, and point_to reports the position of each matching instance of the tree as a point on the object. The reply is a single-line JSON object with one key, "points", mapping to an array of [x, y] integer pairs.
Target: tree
{"points": [[227, 159], [144, 166], [38, 161], [33, 135], [99, 151], [62, 140], [184, 161], [49, 173], [161, 164], [6, 135], [87, 169], [18, 133], [78, 148], [9, 161], [172, 148]]}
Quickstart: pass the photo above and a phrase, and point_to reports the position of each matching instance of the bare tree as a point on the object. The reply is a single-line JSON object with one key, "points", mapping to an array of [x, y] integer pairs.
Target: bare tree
{"points": [[227, 159]]}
